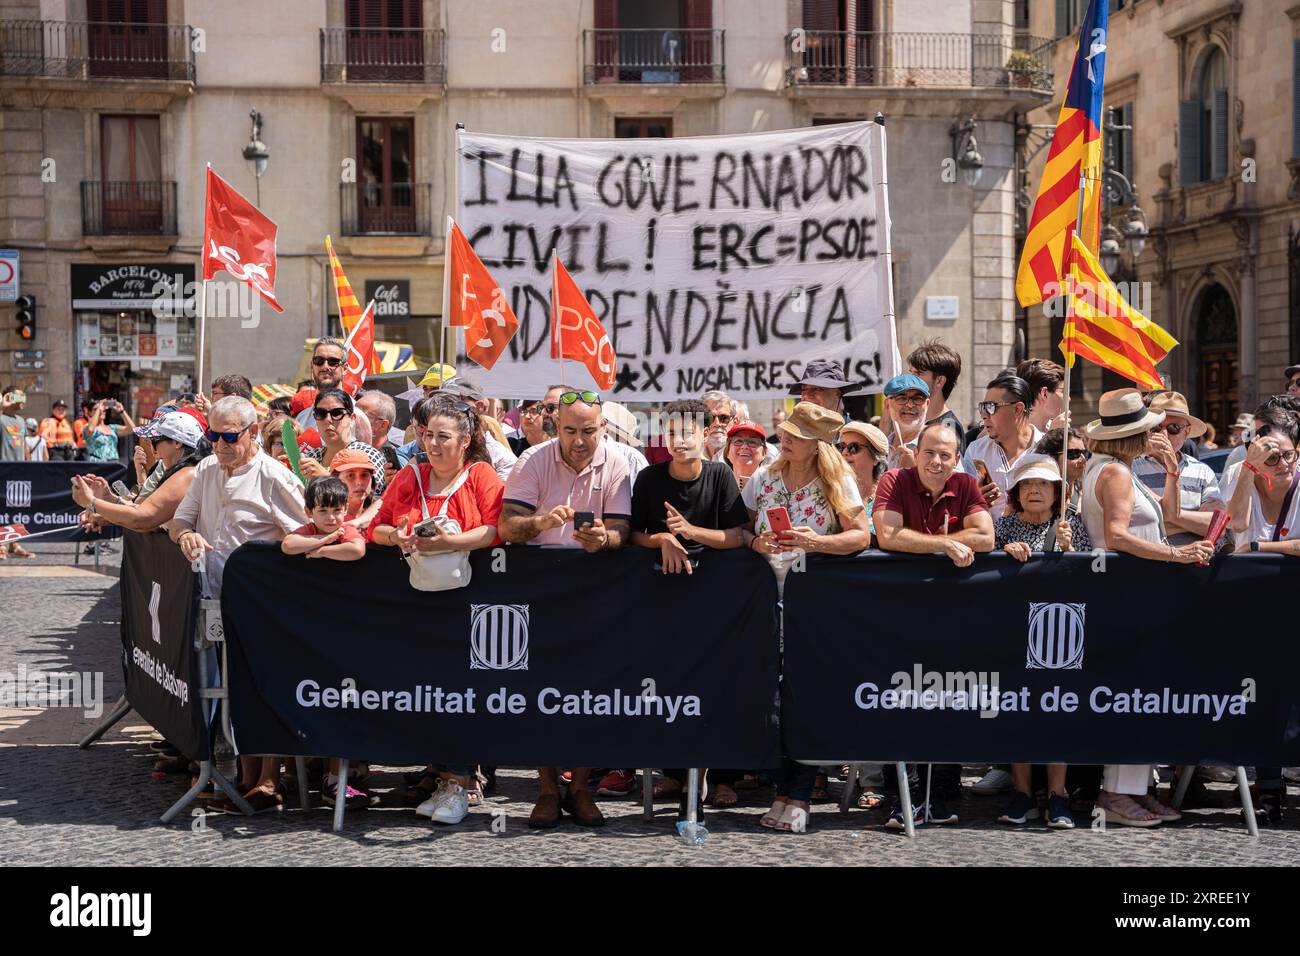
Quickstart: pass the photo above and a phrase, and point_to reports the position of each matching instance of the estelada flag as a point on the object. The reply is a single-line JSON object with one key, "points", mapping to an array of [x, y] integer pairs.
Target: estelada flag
{"points": [[1101, 327], [239, 239], [476, 302], [576, 333], [1075, 153], [360, 349]]}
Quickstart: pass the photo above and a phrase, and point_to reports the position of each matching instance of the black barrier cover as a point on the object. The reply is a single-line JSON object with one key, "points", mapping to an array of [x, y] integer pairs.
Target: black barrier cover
{"points": [[38, 495], [159, 610], [603, 661], [1161, 660]]}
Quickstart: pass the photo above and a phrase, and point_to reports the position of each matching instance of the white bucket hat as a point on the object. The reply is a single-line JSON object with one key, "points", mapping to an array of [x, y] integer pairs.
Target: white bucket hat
{"points": [[1122, 414], [1036, 466]]}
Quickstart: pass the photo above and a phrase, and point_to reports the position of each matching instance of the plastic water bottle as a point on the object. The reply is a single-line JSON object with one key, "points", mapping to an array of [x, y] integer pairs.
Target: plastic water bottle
{"points": [[692, 834]]}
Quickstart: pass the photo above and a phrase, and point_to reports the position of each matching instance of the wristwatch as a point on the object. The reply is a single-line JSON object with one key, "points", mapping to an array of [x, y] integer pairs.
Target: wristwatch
{"points": [[1254, 546]]}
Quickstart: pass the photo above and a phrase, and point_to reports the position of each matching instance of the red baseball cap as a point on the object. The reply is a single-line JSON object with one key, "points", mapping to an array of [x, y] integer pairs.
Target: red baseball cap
{"points": [[303, 398], [745, 425]]}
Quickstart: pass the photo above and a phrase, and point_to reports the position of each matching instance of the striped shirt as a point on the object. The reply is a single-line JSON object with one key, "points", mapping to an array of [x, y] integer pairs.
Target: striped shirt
{"points": [[1198, 488]]}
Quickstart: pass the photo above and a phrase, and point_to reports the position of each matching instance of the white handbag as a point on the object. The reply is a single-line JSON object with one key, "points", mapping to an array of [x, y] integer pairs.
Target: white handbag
{"points": [[448, 569]]}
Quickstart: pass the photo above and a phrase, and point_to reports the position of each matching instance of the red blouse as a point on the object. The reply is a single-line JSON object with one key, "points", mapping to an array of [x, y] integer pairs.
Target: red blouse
{"points": [[475, 504]]}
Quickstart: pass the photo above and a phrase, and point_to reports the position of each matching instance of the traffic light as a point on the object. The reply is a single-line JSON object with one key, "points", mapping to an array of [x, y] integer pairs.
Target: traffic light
{"points": [[26, 317]]}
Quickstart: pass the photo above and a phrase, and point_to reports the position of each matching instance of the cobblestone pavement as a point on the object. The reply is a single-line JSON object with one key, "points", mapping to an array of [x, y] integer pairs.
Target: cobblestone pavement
{"points": [[61, 805]]}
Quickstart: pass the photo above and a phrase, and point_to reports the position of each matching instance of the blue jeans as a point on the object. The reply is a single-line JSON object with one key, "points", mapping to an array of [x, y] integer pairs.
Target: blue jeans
{"points": [[794, 781]]}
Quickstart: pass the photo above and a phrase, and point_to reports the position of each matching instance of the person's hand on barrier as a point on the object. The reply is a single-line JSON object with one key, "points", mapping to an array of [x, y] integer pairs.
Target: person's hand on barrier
{"points": [[193, 545], [1195, 553], [331, 538], [803, 538], [677, 524], [1016, 549], [961, 555], [765, 543], [593, 537], [673, 556], [555, 518], [1064, 535]]}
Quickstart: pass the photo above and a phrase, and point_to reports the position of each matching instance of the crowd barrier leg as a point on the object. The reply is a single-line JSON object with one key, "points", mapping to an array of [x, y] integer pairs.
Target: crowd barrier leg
{"points": [[300, 770], [120, 710], [692, 796], [1185, 775], [1247, 804], [340, 795], [647, 794], [905, 800], [850, 786]]}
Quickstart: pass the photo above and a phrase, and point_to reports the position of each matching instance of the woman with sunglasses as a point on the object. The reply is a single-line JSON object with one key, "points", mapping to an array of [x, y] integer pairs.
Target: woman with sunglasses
{"points": [[866, 451], [1265, 510], [458, 462], [1076, 456], [335, 417]]}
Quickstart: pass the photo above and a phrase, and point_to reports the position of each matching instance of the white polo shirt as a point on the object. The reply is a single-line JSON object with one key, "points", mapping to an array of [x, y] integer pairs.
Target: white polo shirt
{"points": [[987, 450]]}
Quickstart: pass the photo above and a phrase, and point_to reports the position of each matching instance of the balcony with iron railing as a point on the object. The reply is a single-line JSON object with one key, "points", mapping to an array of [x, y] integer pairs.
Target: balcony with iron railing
{"points": [[60, 49], [385, 209], [654, 56], [817, 58], [413, 56], [128, 208]]}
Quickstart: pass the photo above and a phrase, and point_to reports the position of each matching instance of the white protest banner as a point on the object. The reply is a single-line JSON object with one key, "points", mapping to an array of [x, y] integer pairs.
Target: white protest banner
{"points": [[713, 262]]}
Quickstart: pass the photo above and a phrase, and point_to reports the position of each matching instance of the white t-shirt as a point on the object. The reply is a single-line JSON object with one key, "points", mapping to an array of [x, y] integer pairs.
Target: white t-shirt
{"points": [[987, 450], [1260, 529]]}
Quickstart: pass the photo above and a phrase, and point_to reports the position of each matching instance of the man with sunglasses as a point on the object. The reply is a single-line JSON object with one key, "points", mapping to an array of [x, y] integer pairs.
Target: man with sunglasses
{"points": [[328, 358], [823, 383], [1009, 435], [554, 483], [1166, 469]]}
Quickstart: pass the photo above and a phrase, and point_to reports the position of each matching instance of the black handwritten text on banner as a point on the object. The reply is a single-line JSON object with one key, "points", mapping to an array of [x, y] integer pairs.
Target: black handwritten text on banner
{"points": [[713, 262]]}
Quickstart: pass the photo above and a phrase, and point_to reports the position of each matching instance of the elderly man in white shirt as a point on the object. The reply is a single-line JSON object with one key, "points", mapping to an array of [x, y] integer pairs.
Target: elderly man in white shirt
{"points": [[238, 494]]}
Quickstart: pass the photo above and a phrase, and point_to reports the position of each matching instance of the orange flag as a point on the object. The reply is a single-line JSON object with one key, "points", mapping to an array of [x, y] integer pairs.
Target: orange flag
{"points": [[360, 349], [476, 302], [576, 333]]}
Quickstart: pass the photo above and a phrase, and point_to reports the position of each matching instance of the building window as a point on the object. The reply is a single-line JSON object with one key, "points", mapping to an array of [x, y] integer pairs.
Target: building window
{"points": [[131, 191], [643, 127], [1067, 17], [1122, 141], [386, 197], [1203, 123], [1022, 14]]}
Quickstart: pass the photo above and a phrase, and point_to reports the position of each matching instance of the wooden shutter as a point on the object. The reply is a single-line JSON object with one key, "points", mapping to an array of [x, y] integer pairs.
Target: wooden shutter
{"points": [[823, 15], [1189, 142], [1063, 17], [1219, 146], [698, 18], [1295, 99]]}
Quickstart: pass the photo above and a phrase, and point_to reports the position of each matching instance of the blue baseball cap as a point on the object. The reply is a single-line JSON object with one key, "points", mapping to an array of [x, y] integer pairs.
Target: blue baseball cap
{"points": [[906, 383]]}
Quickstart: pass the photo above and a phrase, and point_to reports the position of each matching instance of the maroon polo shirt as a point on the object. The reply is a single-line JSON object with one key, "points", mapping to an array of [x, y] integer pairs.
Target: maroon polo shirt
{"points": [[900, 490]]}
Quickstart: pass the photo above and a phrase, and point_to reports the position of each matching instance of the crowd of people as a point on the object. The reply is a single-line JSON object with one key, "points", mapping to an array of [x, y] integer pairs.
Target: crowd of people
{"points": [[569, 469]]}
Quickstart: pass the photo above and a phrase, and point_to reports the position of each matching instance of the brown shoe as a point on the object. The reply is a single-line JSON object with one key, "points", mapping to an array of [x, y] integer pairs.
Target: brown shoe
{"points": [[579, 805], [546, 813]]}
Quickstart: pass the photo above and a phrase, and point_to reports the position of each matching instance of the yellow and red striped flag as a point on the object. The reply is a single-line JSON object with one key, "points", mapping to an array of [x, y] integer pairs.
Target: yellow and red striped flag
{"points": [[1101, 327], [349, 309], [1075, 153]]}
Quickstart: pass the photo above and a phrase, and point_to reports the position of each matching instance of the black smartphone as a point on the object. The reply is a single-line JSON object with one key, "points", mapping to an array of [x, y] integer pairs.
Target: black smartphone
{"points": [[695, 565], [583, 519]]}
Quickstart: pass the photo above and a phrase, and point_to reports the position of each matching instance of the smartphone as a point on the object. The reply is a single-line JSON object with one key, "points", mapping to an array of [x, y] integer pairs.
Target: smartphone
{"points": [[694, 562], [982, 472], [778, 519], [583, 519], [120, 489], [429, 528]]}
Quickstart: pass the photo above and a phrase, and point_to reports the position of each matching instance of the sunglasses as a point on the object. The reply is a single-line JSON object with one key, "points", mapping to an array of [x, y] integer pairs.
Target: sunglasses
{"points": [[334, 414], [722, 419], [319, 360], [990, 408], [1173, 428], [532, 410], [589, 398], [849, 448], [228, 437], [1074, 454]]}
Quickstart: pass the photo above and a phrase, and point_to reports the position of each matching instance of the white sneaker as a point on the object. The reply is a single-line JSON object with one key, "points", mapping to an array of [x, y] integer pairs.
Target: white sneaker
{"points": [[995, 781], [1291, 774], [449, 804]]}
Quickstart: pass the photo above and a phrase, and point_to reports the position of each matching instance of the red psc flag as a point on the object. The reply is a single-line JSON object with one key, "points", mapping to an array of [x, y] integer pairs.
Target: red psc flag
{"points": [[360, 349], [476, 302], [576, 333], [239, 239]]}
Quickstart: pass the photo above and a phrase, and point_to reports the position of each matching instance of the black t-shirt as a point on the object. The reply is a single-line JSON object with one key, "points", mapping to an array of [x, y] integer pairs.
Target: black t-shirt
{"points": [[711, 501]]}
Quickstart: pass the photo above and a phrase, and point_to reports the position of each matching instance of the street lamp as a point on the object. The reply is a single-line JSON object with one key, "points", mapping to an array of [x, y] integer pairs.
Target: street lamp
{"points": [[256, 152], [1116, 189], [965, 150], [1109, 250], [1135, 231]]}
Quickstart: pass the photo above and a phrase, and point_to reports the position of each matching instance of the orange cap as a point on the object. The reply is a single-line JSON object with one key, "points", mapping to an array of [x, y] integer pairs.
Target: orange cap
{"points": [[350, 459]]}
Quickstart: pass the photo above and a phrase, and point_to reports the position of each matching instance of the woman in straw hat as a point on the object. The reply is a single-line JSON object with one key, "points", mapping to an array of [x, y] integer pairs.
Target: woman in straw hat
{"points": [[1122, 515], [1032, 523], [811, 482], [866, 451]]}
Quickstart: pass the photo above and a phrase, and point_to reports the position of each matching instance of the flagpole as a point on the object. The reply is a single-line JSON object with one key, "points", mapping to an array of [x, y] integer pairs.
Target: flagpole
{"points": [[1067, 263], [203, 325], [203, 302], [446, 299]]}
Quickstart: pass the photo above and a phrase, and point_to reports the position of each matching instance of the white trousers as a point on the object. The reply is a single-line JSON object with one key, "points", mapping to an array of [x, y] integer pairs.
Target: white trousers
{"points": [[1129, 778]]}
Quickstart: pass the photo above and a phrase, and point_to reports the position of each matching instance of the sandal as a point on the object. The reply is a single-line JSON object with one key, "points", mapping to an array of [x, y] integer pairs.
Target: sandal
{"points": [[1167, 814], [769, 820], [724, 796], [791, 817], [870, 800], [1122, 809], [422, 790]]}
